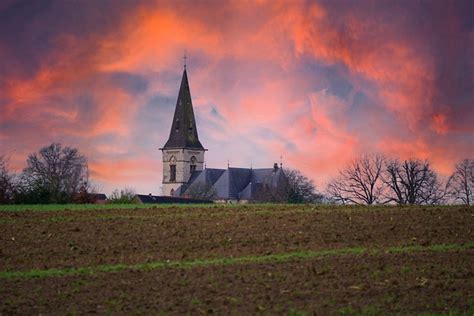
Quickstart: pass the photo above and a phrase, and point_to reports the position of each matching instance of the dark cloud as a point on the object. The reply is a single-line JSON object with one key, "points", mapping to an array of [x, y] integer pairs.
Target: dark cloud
{"points": [[215, 113], [439, 31], [371, 122], [30, 31], [319, 81], [152, 121], [131, 83]]}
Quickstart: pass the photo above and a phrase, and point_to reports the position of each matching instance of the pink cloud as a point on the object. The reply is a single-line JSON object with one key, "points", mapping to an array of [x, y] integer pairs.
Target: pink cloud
{"points": [[258, 80]]}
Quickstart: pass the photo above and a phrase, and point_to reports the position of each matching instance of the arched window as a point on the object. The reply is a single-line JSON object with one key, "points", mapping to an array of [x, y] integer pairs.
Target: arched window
{"points": [[192, 166], [173, 168], [172, 192]]}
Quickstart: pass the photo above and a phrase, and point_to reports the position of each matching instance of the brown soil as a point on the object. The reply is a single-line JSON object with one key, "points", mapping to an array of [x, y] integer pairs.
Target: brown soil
{"points": [[389, 282], [66, 239], [406, 283]]}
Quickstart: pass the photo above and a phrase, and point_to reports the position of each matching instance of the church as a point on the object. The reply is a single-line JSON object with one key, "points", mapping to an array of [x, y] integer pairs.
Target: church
{"points": [[185, 173]]}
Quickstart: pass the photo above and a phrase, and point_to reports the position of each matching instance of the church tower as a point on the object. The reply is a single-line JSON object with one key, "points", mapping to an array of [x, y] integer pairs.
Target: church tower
{"points": [[183, 153]]}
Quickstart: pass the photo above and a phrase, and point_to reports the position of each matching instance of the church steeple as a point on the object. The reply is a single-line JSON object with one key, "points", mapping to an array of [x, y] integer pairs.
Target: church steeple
{"points": [[183, 153], [183, 132]]}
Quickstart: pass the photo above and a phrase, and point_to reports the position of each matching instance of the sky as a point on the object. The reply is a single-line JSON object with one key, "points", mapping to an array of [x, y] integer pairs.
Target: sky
{"points": [[314, 82]]}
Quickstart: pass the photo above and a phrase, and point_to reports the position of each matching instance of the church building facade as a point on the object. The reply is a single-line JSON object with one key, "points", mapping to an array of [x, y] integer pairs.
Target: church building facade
{"points": [[184, 168]]}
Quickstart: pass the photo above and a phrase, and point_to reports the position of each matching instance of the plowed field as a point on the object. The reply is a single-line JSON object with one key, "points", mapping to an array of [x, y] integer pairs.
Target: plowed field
{"points": [[250, 259]]}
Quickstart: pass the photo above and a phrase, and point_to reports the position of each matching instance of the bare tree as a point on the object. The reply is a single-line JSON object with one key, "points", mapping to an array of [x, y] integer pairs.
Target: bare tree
{"points": [[412, 182], [124, 196], [360, 182], [336, 193], [299, 188], [58, 171], [87, 193], [461, 182], [6, 182]]}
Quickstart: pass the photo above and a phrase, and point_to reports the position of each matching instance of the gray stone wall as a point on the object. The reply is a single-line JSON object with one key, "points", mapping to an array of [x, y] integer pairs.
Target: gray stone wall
{"points": [[182, 159]]}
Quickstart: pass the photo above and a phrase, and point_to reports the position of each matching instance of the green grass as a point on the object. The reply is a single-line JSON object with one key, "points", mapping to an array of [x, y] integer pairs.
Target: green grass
{"points": [[189, 264], [365, 311], [216, 210], [372, 310], [255, 207], [432, 248], [87, 207], [98, 207]]}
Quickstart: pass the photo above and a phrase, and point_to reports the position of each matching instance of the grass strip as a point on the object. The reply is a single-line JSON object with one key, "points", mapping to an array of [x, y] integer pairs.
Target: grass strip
{"points": [[269, 207], [87, 207], [431, 248], [189, 264], [127, 206]]}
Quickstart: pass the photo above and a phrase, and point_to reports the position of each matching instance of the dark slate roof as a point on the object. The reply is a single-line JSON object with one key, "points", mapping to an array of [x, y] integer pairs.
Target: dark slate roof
{"points": [[181, 189], [147, 199], [266, 176], [207, 176], [183, 132], [221, 186], [231, 182], [246, 193], [97, 196], [239, 178], [194, 176], [235, 183]]}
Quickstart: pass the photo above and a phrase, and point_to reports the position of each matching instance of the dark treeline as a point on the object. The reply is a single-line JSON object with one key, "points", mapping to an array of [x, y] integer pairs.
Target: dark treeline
{"points": [[376, 179], [57, 174]]}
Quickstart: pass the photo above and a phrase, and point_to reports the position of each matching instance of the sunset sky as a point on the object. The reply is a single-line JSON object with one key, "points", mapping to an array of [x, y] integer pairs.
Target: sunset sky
{"points": [[318, 82]]}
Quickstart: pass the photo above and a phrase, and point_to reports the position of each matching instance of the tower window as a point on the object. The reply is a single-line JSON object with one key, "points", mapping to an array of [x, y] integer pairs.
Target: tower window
{"points": [[173, 168], [192, 166], [173, 173]]}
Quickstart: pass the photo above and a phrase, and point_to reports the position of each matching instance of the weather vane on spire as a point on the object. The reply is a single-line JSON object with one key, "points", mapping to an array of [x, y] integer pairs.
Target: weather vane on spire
{"points": [[184, 58]]}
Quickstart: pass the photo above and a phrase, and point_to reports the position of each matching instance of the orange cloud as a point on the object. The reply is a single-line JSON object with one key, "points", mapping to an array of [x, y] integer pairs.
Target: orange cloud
{"points": [[439, 123], [257, 75], [404, 75]]}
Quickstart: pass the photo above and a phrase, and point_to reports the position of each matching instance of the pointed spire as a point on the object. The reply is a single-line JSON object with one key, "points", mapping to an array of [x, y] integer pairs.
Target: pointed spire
{"points": [[184, 58], [183, 132]]}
